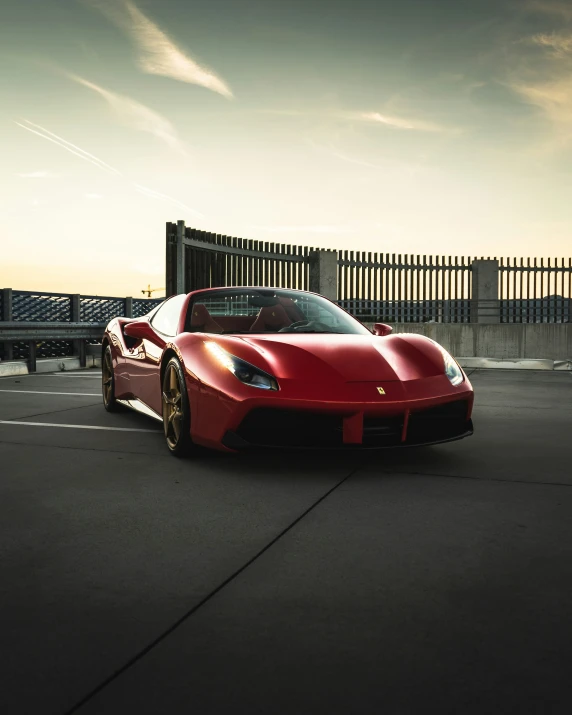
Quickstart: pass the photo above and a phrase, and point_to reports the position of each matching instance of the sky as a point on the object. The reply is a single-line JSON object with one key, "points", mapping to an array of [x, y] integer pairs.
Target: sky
{"points": [[402, 126]]}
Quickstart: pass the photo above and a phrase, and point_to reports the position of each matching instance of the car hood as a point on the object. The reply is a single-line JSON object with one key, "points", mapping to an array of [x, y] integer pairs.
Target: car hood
{"points": [[351, 358]]}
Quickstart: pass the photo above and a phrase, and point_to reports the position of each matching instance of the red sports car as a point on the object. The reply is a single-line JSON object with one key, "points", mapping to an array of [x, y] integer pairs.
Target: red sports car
{"points": [[230, 368]]}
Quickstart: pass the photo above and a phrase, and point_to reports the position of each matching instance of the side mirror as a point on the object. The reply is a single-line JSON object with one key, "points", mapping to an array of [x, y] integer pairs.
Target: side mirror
{"points": [[382, 329], [139, 329]]}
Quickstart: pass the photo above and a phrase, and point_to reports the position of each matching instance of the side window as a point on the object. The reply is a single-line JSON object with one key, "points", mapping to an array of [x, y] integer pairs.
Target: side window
{"points": [[166, 319], [153, 312]]}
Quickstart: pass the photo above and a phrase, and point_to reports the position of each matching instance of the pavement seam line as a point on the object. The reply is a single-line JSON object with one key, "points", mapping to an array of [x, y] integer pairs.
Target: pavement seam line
{"points": [[132, 661], [53, 412], [478, 479], [87, 449]]}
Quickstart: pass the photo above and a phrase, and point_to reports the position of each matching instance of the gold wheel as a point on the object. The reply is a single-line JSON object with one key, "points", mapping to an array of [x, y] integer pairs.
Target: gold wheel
{"points": [[173, 416], [107, 378]]}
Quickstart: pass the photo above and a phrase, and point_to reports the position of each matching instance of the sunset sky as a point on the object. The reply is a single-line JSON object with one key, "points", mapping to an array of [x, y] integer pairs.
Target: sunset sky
{"points": [[411, 126]]}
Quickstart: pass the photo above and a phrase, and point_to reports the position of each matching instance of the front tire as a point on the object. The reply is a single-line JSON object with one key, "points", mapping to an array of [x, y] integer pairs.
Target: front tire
{"points": [[176, 411], [108, 382]]}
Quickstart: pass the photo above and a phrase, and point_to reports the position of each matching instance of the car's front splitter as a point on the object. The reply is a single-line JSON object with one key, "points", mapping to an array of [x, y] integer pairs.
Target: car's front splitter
{"points": [[234, 442]]}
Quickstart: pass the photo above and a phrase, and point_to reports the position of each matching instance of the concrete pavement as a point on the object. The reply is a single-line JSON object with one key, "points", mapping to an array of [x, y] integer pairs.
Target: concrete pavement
{"points": [[407, 581]]}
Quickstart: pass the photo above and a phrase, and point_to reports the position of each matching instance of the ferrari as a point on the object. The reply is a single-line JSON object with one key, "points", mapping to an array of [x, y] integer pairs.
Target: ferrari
{"points": [[234, 368]]}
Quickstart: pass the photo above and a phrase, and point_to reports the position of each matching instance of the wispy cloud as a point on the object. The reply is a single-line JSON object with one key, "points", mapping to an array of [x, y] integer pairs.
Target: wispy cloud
{"points": [[68, 146], [400, 122], [408, 169], [136, 115], [64, 144], [393, 121], [558, 44], [156, 195], [560, 8], [158, 54], [333, 151], [545, 81], [303, 229], [284, 112], [39, 174]]}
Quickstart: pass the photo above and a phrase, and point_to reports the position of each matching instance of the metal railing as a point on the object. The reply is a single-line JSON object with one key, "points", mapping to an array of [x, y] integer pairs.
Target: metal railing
{"points": [[30, 341], [535, 291], [212, 260], [395, 287], [38, 324], [404, 288]]}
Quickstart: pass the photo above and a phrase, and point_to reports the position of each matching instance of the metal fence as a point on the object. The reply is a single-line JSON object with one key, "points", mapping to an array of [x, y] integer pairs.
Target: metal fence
{"points": [[212, 260], [535, 291], [372, 286], [405, 288], [439, 289], [41, 307]]}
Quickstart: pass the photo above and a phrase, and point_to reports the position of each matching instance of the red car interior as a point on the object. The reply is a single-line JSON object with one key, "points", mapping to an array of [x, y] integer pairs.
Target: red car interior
{"points": [[202, 320], [294, 313], [272, 317]]}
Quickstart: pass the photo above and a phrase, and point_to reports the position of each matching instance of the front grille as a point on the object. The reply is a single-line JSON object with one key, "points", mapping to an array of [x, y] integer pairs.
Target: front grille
{"points": [[291, 428], [273, 427], [382, 431], [436, 423]]}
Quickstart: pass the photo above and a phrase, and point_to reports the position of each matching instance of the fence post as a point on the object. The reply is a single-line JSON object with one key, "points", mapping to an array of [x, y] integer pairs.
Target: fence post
{"points": [[180, 258], [78, 345], [7, 315], [170, 263], [485, 303], [129, 307], [32, 356], [324, 273]]}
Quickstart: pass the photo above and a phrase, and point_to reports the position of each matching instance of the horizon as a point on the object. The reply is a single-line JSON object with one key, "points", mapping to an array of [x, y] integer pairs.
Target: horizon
{"points": [[385, 126]]}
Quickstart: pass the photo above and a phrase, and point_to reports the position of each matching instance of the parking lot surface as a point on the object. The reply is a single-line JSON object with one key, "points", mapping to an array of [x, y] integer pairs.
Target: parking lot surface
{"points": [[434, 579]]}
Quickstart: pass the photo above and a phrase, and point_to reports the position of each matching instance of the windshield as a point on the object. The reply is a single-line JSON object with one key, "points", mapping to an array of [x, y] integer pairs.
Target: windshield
{"points": [[237, 311]]}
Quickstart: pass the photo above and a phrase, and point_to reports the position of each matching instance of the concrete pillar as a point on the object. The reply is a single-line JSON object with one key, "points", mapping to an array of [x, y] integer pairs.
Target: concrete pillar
{"points": [[75, 308], [78, 345], [32, 356], [324, 273], [129, 307], [485, 304], [7, 315]]}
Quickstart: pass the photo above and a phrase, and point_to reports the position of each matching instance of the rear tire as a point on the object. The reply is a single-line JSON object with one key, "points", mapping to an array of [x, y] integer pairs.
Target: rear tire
{"points": [[108, 382], [176, 411]]}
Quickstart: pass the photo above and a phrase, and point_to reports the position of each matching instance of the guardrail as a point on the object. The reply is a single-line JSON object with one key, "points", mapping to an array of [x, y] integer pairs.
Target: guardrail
{"points": [[33, 333], [49, 310]]}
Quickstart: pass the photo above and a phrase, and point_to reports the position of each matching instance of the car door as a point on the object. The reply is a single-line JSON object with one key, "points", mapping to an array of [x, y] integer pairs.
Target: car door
{"points": [[145, 359]]}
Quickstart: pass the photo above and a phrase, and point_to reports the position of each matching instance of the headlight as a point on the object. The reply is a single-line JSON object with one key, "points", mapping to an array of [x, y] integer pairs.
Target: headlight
{"points": [[452, 370], [244, 371]]}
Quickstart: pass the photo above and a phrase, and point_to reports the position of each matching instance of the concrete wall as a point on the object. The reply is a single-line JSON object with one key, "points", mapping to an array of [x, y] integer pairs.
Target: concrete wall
{"points": [[501, 340]]}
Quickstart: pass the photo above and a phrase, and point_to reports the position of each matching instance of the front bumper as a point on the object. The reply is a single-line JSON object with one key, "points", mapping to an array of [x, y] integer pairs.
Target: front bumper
{"points": [[308, 430], [418, 412]]}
